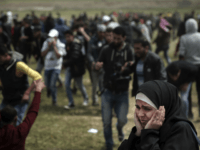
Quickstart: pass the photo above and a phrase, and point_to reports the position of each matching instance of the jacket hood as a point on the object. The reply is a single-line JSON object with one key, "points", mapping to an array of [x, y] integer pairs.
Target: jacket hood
{"points": [[60, 21], [191, 26]]}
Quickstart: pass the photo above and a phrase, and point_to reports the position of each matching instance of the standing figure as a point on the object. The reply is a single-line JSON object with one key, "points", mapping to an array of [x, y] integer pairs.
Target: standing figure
{"points": [[14, 81], [190, 49], [74, 63], [115, 94], [53, 51], [94, 48]]}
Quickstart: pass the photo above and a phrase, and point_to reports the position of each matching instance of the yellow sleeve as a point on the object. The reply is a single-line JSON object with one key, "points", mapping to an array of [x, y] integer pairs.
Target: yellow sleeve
{"points": [[22, 67]]}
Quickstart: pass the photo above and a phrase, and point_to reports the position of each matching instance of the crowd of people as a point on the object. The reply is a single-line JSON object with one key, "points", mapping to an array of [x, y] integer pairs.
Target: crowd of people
{"points": [[111, 48]]}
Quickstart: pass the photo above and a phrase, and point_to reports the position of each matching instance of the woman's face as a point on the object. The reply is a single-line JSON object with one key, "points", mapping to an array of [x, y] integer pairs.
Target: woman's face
{"points": [[144, 112]]}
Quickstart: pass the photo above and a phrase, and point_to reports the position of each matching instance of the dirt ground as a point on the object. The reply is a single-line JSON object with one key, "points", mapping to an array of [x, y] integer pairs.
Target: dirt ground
{"points": [[101, 4]]}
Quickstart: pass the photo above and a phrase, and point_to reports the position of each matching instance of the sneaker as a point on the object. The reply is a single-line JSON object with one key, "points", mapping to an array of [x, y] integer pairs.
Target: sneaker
{"points": [[120, 138], [54, 104], [85, 103], [70, 106], [120, 134], [48, 93]]}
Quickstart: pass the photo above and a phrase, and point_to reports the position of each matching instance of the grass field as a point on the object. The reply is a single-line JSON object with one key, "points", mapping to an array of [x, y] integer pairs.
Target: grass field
{"points": [[59, 129]]}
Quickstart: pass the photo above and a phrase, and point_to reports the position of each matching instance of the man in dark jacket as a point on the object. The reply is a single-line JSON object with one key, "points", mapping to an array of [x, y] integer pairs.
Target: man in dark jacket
{"points": [[39, 39], [49, 23], [74, 63], [4, 39], [14, 81], [26, 39], [163, 39], [115, 95], [61, 28], [129, 32], [147, 66], [182, 74], [94, 48]]}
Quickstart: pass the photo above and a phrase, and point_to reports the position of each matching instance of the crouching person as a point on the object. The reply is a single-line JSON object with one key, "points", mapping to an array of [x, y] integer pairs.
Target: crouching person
{"points": [[12, 137]]}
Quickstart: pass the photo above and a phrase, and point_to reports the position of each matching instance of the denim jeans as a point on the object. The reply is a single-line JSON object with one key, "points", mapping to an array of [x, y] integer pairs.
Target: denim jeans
{"points": [[120, 104], [185, 100], [165, 50], [97, 80], [51, 76], [20, 108], [79, 83]]}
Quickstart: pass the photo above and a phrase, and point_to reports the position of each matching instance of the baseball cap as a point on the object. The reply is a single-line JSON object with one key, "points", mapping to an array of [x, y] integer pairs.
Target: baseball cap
{"points": [[101, 28], [105, 18], [53, 33], [113, 25]]}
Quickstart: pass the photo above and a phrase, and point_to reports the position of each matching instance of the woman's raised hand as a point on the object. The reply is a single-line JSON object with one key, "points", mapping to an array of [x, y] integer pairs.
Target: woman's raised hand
{"points": [[157, 119], [138, 125]]}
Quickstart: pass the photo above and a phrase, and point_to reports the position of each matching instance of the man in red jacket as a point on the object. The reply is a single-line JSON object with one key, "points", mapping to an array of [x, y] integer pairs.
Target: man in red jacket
{"points": [[12, 137]]}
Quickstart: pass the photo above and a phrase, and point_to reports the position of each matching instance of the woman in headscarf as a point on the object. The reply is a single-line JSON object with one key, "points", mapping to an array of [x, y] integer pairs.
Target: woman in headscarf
{"points": [[160, 124]]}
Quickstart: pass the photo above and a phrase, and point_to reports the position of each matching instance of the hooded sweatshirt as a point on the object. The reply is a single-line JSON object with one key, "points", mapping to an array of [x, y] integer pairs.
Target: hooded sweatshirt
{"points": [[190, 43]]}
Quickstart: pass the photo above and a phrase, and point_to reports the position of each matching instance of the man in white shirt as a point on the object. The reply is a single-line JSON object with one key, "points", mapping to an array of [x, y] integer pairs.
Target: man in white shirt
{"points": [[53, 50]]}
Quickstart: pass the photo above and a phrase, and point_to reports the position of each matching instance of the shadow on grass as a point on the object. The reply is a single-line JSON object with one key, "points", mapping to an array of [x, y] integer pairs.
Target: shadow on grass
{"points": [[78, 110]]}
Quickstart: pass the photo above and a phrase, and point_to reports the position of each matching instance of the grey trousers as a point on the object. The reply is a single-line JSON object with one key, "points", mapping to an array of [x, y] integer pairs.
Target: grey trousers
{"points": [[97, 80]]}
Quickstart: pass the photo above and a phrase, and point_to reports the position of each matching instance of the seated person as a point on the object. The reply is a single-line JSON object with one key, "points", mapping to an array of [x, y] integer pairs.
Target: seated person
{"points": [[159, 121], [12, 137]]}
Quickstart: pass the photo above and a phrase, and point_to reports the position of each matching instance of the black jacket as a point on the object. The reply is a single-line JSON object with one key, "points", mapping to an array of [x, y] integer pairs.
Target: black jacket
{"points": [[176, 132], [29, 33], [38, 45], [188, 73], [153, 70], [4, 39], [109, 56], [75, 58], [129, 32], [181, 138], [13, 86]]}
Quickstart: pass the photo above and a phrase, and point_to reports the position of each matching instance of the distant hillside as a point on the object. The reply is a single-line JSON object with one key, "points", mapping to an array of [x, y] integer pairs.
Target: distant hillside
{"points": [[95, 4]]}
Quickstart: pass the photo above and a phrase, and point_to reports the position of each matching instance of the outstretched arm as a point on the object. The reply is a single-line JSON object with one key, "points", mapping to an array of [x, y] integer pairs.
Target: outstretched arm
{"points": [[86, 36], [27, 93], [22, 69], [33, 110]]}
